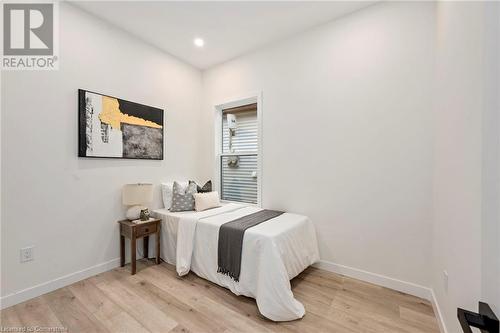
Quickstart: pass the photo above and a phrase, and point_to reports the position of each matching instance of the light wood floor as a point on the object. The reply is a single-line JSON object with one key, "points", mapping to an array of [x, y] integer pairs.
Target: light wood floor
{"points": [[156, 300]]}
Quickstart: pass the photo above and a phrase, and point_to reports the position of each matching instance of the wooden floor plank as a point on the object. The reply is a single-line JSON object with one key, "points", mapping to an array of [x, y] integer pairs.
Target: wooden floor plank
{"points": [[36, 312], [104, 309], [72, 313], [157, 300], [187, 316], [192, 296], [10, 318], [144, 312], [418, 320]]}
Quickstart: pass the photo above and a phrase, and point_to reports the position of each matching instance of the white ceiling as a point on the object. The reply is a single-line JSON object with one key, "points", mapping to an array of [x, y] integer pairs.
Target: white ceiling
{"points": [[229, 29]]}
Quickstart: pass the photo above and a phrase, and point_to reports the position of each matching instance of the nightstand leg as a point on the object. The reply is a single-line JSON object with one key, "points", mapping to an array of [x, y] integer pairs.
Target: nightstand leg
{"points": [[158, 244], [133, 251], [122, 251], [146, 246]]}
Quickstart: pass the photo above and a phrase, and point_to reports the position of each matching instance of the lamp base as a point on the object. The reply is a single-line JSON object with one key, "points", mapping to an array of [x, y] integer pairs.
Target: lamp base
{"points": [[134, 212]]}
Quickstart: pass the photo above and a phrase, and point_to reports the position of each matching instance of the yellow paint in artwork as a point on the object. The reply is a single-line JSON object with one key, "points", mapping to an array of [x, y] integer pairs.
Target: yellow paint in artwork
{"points": [[112, 115], [138, 121]]}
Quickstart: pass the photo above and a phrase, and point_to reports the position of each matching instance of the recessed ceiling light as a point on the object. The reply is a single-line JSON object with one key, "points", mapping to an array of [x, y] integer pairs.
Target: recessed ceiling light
{"points": [[199, 42]]}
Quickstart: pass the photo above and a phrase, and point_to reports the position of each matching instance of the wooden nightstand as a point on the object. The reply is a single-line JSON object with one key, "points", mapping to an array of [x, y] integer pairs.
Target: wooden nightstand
{"points": [[137, 230]]}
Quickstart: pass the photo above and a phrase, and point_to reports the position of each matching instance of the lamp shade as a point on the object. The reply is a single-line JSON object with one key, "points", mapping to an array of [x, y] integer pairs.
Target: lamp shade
{"points": [[137, 194]]}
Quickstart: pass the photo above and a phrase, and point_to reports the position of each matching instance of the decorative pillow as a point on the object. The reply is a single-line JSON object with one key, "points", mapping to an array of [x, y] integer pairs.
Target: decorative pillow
{"points": [[205, 188], [167, 191], [182, 200], [204, 201]]}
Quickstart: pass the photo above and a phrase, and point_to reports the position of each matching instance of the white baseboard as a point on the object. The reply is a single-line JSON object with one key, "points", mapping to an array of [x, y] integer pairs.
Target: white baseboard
{"points": [[388, 282], [438, 313], [380, 280], [43, 288]]}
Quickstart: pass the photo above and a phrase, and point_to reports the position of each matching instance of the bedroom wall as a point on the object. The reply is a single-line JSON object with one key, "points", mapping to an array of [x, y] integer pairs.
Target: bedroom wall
{"points": [[490, 224], [347, 133], [65, 206], [467, 148]]}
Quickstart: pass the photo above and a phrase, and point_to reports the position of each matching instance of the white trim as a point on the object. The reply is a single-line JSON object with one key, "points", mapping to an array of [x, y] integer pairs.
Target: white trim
{"points": [[251, 153], [249, 98], [260, 132], [217, 145], [43, 288], [380, 280], [239, 203], [438, 313]]}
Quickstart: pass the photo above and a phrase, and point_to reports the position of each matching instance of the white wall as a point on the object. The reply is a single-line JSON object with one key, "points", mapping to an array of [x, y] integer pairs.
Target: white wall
{"points": [[466, 169], [491, 159], [67, 207], [347, 133]]}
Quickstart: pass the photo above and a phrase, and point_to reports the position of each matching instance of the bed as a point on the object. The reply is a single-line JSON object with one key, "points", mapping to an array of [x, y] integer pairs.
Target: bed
{"points": [[273, 253]]}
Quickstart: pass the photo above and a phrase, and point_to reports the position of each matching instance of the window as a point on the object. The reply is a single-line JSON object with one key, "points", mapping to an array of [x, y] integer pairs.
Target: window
{"points": [[239, 154]]}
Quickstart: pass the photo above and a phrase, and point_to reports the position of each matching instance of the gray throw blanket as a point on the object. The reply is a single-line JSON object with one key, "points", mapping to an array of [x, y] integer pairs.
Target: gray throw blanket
{"points": [[231, 241]]}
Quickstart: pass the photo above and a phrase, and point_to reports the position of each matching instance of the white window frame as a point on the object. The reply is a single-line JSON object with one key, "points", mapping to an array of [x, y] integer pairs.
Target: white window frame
{"points": [[228, 103]]}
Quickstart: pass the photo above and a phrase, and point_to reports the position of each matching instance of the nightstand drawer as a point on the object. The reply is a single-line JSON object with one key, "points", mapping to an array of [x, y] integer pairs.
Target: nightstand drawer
{"points": [[147, 229]]}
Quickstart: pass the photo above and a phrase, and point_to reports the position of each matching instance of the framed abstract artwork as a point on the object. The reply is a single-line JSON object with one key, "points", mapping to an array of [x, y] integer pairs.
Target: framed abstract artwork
{"points": [[111, 127]]}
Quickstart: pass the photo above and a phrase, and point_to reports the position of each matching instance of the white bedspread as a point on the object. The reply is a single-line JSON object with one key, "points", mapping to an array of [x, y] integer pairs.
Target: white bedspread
{"points": [[273, 253]]}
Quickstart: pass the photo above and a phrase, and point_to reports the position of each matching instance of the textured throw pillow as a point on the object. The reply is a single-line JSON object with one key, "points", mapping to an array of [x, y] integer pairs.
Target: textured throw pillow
{"points": [[204, 201], [182, 200], [167, 192], [205, 188]]}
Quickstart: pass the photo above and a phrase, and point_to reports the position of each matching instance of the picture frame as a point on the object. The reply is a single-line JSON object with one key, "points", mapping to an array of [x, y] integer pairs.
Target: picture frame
{"points": [[111, 127]]}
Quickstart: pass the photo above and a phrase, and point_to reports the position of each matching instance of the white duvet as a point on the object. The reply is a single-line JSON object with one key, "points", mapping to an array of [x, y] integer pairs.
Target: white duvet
{"points": [[273, 253]]}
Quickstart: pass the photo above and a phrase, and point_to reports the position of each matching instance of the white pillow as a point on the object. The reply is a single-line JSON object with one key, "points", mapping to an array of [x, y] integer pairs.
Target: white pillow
{"points": [[204, 201], [167, 191]]}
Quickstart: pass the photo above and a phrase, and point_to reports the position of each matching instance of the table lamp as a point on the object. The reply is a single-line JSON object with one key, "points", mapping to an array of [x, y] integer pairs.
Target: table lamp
{"points": [[137, 196]]}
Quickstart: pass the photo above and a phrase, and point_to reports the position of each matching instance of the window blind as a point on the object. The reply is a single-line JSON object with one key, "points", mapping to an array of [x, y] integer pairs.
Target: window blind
{"points": [[239, 179]]}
